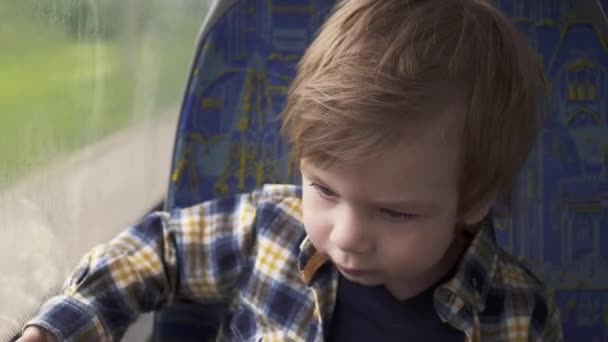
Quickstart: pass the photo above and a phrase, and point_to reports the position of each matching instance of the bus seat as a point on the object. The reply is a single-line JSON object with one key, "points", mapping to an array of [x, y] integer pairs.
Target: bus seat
{"points": [[560, 222], [228, 138], [228, 141]]}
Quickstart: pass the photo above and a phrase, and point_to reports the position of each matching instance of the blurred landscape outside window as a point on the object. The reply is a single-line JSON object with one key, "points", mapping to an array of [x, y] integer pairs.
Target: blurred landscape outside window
{"points": [[89, 99]]}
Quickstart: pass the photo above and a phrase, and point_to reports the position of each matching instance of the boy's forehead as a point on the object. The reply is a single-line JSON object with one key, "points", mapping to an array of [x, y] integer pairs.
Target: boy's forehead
{"points": [[415, 167], [427, 154], [425, 138], [444, 125]]}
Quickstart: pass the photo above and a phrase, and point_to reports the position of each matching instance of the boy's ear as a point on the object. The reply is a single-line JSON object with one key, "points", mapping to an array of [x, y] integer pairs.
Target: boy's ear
{"points": [[477, 213]]}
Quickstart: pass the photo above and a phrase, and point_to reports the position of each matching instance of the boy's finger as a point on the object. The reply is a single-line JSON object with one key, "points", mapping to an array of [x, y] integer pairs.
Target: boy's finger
{"points": [[33, 334]]}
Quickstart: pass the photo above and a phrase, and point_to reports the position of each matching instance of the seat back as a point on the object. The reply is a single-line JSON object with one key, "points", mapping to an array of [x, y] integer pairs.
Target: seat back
{"points": [[560, 223], [228, 138], [228, 141]]}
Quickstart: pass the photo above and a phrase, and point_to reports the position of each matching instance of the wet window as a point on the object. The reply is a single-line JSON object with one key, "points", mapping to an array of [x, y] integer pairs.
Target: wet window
{"points": [[89, 97]]}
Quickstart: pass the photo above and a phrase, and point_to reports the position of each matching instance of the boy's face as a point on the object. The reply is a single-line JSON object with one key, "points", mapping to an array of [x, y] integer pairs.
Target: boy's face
{"points": [[389, 220]]}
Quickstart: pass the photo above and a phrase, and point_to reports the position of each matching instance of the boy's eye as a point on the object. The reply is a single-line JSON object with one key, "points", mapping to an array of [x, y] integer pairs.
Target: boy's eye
{"points": [[323, 191], [396, 215]]}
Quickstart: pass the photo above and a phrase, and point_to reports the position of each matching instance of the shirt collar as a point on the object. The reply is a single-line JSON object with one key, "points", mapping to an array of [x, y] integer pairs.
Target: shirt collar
{"points": [[473, 278], [310, 260], [471, 281]]}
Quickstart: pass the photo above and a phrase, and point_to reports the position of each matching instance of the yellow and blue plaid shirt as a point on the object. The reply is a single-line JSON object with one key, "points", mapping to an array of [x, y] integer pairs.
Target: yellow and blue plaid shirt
{"points": [[251, 252]]}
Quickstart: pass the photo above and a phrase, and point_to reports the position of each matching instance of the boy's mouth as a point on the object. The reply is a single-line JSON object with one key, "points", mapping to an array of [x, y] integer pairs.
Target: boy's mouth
{"points": [[354, 273]]}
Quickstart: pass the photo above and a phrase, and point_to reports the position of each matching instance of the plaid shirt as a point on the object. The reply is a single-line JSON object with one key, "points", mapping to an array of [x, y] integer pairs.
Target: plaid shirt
{"points": [[251, 252]]}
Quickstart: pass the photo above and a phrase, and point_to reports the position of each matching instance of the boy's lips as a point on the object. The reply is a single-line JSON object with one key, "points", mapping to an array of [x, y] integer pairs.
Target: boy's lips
{"points": [[354, 272]]}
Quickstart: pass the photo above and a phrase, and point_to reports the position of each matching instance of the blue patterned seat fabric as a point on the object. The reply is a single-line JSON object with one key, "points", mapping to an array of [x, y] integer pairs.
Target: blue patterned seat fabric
{"points": [[228, 141]]}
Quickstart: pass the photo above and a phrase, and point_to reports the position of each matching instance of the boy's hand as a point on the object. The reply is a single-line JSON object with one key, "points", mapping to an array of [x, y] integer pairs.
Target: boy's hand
{"points": [[37, 334]]}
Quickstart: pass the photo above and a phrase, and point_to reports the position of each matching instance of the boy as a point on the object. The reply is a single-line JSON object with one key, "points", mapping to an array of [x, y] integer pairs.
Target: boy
{"points": [[410, 119]]}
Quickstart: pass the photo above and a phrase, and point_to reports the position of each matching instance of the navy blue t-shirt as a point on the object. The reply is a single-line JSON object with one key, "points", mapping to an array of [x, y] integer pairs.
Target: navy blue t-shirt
{"points": [[365, 313]]}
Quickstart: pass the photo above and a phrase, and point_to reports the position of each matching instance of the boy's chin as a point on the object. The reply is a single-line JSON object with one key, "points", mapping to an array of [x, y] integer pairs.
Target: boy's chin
{"points": [[366, 278]]}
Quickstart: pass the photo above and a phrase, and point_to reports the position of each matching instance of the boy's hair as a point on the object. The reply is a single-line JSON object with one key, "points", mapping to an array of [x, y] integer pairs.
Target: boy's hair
{"points": [[378, 66]]}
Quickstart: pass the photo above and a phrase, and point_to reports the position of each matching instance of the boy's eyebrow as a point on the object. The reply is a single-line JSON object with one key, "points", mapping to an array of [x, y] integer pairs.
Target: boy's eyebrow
{"points": [[316, 179], [416, 205], [409, 204], [312, 173]]}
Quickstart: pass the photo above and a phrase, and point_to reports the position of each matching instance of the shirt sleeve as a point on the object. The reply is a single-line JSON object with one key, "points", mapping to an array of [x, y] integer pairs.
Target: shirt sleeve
{"points": [[546, 314], [195, 253]]}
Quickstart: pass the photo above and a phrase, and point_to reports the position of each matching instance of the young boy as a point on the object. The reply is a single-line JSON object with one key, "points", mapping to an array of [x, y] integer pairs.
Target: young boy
{"points": [[410, 119]]}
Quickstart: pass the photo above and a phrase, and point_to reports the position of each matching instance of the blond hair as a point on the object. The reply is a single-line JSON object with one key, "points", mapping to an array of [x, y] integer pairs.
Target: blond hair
{"points": [[378, 66]]}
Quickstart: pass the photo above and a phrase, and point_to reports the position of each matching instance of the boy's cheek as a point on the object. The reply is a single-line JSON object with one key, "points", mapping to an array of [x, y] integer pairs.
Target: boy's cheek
{"points": [[317, 227]]}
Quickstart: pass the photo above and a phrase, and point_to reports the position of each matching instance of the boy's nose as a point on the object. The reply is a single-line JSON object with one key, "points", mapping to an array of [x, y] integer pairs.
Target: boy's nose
{"points": [[351, 237]]}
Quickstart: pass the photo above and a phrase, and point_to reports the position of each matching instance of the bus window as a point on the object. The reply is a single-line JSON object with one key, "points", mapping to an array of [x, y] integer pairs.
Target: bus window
{"points": [[89, 98]]}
